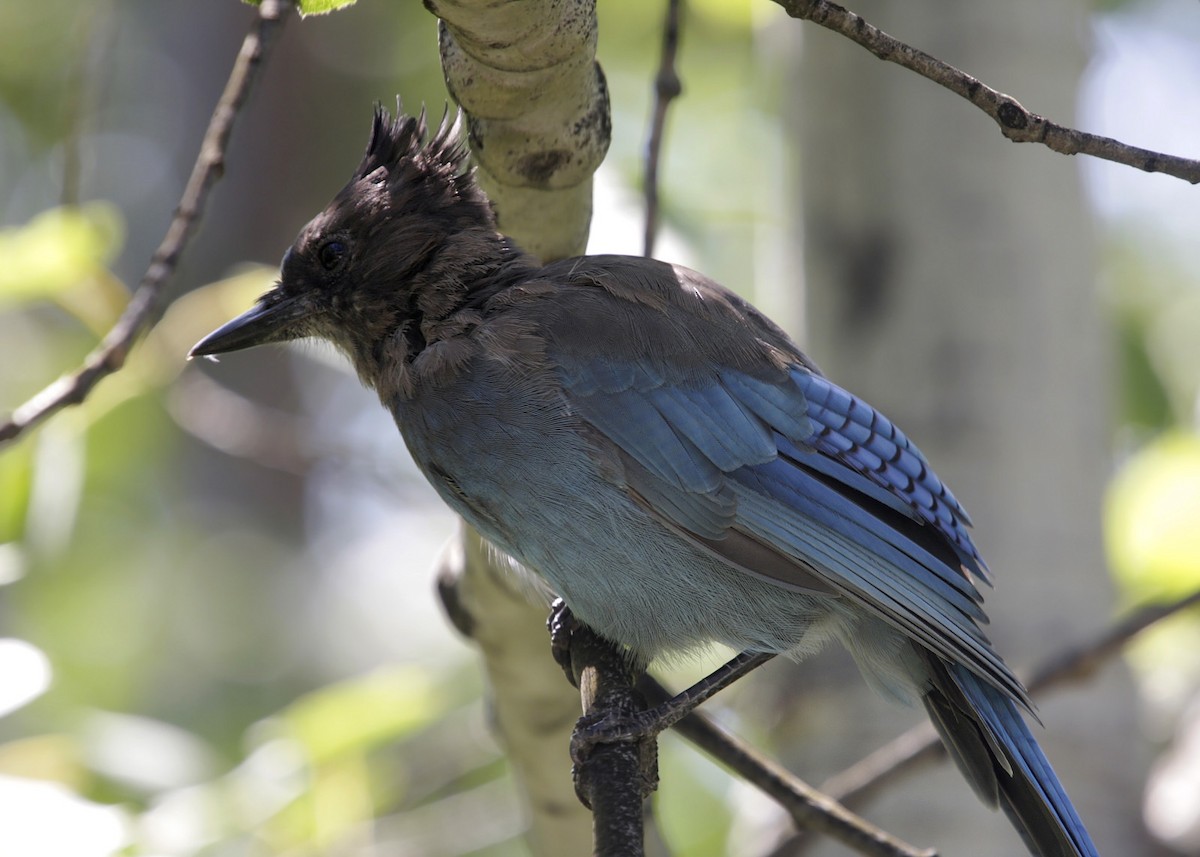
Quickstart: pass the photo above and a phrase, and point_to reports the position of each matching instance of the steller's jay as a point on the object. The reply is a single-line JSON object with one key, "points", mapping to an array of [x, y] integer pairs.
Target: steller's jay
{"points": [[657, 451]]}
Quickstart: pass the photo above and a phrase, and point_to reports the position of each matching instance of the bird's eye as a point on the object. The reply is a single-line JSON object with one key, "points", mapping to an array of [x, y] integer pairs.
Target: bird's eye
{"points": [[332, 254]]}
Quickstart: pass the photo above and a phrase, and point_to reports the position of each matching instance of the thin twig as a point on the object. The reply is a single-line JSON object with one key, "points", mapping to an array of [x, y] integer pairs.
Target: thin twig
{"points": [[865, 779], [110, 355], [1016, 123], [1078, 663], [667, 87], [810, 809]]}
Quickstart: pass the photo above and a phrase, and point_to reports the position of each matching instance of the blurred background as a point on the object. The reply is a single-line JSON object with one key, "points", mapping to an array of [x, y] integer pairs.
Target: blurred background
{"points": [[218, 632]]}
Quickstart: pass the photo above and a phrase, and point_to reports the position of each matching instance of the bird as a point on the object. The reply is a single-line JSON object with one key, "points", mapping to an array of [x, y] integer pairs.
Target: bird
{"points": [[657, 452]]}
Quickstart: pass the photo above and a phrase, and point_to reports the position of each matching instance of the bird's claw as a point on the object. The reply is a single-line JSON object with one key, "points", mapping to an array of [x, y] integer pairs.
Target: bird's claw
{"points": [[561, 623]]}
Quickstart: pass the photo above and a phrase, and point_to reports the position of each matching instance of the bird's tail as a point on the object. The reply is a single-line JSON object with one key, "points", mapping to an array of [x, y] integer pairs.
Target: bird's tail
{"points": [[988, 739]]}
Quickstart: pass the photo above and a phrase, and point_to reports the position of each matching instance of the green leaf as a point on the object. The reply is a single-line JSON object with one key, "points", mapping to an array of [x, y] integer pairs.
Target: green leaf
{"points": [[315, 7], [1152, 519], [354, 716], [56, 250]]}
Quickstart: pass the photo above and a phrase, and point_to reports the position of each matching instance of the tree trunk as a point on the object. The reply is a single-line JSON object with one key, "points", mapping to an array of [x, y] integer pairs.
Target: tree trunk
{"points": [[538, 120], [951, 282]]}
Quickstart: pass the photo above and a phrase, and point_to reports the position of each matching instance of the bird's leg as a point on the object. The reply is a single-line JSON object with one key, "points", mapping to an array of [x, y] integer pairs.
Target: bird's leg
{"points": [[637, 726]]}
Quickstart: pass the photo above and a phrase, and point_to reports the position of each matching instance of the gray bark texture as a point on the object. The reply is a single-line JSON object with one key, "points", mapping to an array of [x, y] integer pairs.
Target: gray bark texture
{"points": [[951, 282], [537, 111]]}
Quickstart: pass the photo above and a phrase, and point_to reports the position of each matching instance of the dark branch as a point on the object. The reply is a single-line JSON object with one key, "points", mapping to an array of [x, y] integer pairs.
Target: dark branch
{"points": [[612, 776], [112, 352], [612, 779], [666, 88], [1016, 123], [1079, 663], [810, 809], [919, 746]]}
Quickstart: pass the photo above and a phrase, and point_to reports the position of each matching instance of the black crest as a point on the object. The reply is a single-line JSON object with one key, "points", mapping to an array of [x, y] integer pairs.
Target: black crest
{"points": [[398, 150]]}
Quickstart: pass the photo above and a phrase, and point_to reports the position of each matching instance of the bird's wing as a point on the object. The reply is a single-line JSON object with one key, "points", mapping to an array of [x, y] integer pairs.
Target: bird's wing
{"points": [[729, 435]]}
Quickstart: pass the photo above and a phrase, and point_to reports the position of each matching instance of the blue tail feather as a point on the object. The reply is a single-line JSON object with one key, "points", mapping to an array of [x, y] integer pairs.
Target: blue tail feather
{"points": [[1031, 796]]}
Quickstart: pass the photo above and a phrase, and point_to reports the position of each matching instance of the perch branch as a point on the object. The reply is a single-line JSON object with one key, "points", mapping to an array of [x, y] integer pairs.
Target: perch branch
{"points": [[865, 779], [810, 809], [612, 778]]}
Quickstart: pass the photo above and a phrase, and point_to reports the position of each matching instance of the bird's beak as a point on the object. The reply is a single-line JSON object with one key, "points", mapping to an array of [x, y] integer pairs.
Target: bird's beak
{"points": [[270, 320]]}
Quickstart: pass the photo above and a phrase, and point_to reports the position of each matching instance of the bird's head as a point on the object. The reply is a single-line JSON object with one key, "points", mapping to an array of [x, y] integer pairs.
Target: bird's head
{"points": [[360, 270]]}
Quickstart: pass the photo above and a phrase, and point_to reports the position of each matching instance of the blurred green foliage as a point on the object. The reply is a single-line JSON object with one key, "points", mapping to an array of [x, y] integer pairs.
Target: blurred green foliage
{"points": [[314, 7], [1152, 514], [59, 249], [217, 630], [1152, 511]]}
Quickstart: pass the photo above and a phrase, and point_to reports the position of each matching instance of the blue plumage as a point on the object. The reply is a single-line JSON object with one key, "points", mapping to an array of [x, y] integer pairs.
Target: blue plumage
{"points": [[659, 453], [1008, 729]]}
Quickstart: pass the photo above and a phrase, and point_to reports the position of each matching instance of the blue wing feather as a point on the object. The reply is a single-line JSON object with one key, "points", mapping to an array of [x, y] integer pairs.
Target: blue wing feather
{"points": [[852, 432], [775, 404], [789, 481], [892, 575], [834, 469], [818, 475], [636, 425], [714, 421], [708, 515]]}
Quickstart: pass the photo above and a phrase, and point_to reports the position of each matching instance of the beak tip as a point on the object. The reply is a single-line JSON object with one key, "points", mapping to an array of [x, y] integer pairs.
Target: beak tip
{"points": [[199, 349], [196, 352], [265, 322]]}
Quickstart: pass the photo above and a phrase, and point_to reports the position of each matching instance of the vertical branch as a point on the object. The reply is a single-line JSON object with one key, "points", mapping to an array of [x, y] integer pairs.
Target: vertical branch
{"points": [[613, 777], [538, 121], [537, 110], [667, 87]]}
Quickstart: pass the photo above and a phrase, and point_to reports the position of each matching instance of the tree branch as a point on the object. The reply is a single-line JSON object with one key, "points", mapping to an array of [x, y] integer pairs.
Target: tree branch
{"points": [[537, 112], [531, 708], [919, 746], [613, 778], [112, 352], [1016, 123], [667, 87], [810, 809], [525, 73]]}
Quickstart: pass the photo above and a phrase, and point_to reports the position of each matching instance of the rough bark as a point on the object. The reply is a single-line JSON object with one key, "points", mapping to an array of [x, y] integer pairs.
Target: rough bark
{"points": [[537, 108]]}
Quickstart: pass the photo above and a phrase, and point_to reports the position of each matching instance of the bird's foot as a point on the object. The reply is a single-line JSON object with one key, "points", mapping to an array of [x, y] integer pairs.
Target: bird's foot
{"points": [[596, 730], [641, 725], [631, 727]]}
